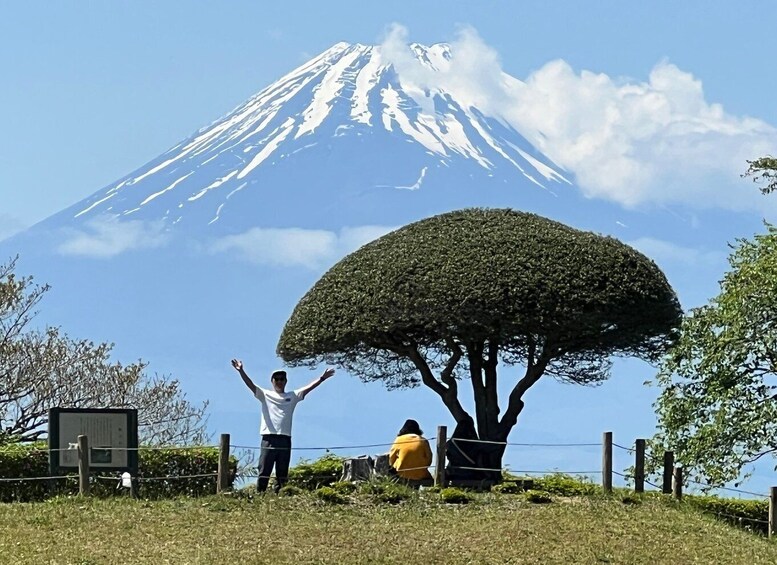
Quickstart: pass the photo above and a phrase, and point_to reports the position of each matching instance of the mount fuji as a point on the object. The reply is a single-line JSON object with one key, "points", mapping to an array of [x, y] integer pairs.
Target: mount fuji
{"points": [[343, 133], [200, 255]]}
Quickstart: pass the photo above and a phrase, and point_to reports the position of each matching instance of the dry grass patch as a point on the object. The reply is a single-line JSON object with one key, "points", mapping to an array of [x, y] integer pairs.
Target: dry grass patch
{"points": [[303, 529]]}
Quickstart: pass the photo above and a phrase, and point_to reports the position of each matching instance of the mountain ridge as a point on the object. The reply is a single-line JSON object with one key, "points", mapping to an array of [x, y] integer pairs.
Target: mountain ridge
{"points": [[349, 100]]}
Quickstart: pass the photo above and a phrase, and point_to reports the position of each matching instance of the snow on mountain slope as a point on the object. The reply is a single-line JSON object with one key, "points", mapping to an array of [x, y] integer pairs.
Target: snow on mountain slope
{"points": [[345, 120]]}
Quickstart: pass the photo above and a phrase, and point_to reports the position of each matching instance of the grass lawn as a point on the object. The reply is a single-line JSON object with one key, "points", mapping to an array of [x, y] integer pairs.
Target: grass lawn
{"points": [[302, 529]]}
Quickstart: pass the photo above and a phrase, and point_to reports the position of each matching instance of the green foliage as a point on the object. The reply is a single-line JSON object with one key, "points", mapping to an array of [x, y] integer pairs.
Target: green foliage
{"points": [[180, 463], [538, 497], [31, 460], [344, 487], [461, 293], [566, 485], [388, 490], [749, 514], [24, 461], [453, 495], [310, 475], [290, 490], [330, 495], [506, 488], [764, 170], [717, 408], [483, 274]]}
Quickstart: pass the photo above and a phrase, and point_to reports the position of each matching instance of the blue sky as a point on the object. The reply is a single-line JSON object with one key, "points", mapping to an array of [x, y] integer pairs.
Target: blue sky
{"points": [[92, 91]]}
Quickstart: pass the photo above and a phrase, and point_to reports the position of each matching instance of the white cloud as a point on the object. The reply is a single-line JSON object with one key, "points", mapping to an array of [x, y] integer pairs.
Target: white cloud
{"points": [[291, 247], [632, 142], [662, 251], [105, 237]]}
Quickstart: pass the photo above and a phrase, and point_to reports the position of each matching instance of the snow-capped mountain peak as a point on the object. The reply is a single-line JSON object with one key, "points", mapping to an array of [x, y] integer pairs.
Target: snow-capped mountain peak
{"points": [[351, 94]]}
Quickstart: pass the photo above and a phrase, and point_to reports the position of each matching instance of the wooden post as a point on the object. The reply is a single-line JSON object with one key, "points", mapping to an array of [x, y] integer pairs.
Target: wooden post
{"points": [[772, 511], [83, 465], [222, 484], [666, 487], [439, 469], [639, 466], [607, 462], [677, 490]]}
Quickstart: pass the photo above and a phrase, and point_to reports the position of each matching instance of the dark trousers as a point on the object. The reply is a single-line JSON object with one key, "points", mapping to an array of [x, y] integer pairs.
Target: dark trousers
{"points": [[276, 451]]}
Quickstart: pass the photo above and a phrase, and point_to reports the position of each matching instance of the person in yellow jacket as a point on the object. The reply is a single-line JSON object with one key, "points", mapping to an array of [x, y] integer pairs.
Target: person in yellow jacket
{"points": [[411, 455]]}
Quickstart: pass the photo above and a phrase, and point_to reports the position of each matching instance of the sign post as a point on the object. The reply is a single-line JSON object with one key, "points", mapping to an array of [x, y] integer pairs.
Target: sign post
{"points": [[112, 434]]}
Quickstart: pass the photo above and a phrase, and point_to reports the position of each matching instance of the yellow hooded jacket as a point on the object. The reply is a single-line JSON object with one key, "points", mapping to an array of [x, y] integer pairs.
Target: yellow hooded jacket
{"points": [[410, 456]]}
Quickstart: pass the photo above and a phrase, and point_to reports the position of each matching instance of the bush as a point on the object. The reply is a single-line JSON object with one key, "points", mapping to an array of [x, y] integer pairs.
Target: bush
{"points": [[506, 488], [453, 495], [310, 475], [538, 497], [388, 490], [749, 514], [24, 461], [180, 463], [566, 485], [344, 487], [31, 461], [330, 495], [290, 490]]}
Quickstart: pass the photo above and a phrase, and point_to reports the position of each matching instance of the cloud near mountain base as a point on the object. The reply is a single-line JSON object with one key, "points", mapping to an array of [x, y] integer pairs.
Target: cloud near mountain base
{"points": [[296, 247], [105, 237]]}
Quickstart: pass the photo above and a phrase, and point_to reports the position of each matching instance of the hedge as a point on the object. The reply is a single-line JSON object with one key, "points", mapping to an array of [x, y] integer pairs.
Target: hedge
{"points": [[157, 474], [747, 513]]}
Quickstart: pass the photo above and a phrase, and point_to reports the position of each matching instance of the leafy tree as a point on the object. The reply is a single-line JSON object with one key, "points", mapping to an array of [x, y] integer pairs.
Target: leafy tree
{"points": [[452, 296], [763, 170], [43, 369], [718, 407]]}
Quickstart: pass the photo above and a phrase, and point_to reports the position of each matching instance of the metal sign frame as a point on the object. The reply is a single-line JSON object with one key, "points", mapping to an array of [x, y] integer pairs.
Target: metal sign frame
{"points": [[101, 449]]}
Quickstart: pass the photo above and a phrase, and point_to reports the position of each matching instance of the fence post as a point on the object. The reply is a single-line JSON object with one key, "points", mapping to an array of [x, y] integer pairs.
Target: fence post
{"points": [[607, 462], [772, 511], [222, 484], [639, 466], [677, 490], [666, 487], [83, 465], [439, 469]]}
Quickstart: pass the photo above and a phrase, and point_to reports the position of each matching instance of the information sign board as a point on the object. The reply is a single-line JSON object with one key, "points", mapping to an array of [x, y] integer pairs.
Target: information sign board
{"points": [[112, 434]]}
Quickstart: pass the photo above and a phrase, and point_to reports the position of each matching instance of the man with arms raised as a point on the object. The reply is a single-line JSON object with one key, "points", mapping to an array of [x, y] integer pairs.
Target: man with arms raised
{"points": [[277, 411]]}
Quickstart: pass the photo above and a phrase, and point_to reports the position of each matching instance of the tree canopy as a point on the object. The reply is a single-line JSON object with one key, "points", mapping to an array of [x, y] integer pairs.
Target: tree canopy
{"points": [[41, 369], [453, 295], [718, 406]]}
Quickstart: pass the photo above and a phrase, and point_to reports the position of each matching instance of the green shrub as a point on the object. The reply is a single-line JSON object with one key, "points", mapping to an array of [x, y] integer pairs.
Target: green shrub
{"points": [[310, 475], [747, 513], [344, 487], [155, 466], [506, 488], [173, 463], [538, 497], [453, 495], [18, 460], [290, 490], [330, 495], [388, 490], [566, 485]]}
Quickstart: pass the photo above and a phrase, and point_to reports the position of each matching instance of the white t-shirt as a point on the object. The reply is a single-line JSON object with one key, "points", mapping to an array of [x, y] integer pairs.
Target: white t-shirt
{"points": [[277, 410]]}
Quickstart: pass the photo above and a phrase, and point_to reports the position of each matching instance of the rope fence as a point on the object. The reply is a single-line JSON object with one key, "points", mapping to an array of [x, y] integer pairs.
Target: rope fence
{"points": [[443, 469]]}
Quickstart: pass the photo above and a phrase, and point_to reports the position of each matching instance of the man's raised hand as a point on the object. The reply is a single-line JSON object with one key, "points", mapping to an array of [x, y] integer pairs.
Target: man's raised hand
{"points": [[328, 373], [237, 364]]}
